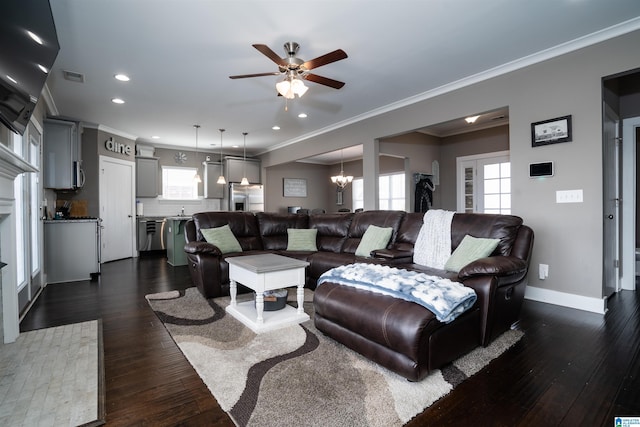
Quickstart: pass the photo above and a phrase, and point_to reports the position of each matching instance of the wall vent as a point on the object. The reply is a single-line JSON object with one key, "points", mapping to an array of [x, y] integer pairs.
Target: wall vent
{"points": [[72, 76]]}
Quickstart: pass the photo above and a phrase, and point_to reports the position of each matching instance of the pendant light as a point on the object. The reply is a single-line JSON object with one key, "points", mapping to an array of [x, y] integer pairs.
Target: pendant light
{"points": [[221, 179], [197, 178], [244, 181]]}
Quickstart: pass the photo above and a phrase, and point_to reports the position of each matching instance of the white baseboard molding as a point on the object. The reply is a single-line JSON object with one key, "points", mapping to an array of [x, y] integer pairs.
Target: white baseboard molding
{"points": [[594, 305]]}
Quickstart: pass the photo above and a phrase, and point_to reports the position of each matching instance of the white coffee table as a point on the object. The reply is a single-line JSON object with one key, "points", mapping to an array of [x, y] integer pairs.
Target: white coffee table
{"points": [[262, 273]]}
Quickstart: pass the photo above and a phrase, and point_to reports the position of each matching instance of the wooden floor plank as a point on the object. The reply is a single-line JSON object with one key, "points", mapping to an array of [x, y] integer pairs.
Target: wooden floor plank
{"points": [[570, 368]]}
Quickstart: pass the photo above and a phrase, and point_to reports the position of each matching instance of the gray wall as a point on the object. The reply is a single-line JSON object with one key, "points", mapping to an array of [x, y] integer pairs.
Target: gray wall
{"points": [[568, 236]]}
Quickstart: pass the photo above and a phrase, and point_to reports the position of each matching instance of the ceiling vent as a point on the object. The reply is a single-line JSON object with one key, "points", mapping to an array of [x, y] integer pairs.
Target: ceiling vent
{"points": [[72, 76]]}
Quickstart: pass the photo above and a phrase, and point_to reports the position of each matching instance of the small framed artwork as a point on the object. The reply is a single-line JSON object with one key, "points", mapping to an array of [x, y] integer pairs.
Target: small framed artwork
{"points": [[294, 187], [551, 131]]}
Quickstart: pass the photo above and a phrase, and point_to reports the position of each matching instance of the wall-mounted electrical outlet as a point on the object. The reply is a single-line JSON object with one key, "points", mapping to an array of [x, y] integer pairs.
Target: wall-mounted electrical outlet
{"points": [[543, 271]]}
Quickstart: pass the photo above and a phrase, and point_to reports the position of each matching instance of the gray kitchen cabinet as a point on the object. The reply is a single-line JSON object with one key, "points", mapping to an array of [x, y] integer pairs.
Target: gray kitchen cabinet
{"points": [[61, 151], [235, 169], [147, 177], [212, 190]]}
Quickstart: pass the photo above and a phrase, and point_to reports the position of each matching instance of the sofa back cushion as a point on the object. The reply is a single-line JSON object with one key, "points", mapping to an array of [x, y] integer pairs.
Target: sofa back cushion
{"points": [[273, 228], [362, 220], [503, 227], [332, 230], [244, 226], [408, 231]]}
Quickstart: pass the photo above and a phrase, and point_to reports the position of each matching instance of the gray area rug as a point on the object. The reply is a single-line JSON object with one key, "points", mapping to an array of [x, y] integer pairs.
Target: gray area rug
{"points": [[296, 375], [53, 377]]}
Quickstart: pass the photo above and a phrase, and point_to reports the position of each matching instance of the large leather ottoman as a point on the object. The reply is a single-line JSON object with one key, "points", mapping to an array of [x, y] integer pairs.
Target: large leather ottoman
{"points": [[402, 336]]}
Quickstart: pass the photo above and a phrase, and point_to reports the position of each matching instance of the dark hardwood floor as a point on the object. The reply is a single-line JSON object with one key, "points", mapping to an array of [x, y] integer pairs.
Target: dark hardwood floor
{"points": [[571, 368]]}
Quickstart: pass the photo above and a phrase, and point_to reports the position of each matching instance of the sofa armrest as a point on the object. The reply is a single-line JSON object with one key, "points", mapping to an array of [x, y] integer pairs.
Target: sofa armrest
{"points": [[202, 248], [508, 268], [393, 255]]}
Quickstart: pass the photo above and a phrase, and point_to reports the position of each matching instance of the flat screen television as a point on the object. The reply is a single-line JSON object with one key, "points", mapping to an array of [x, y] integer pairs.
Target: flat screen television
{"points": [[28, 47]]}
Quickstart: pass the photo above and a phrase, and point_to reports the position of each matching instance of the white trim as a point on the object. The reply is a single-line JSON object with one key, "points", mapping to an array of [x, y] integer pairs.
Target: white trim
{"points": [[544, 55], [594, 305], [628, 211], [110, 130]]}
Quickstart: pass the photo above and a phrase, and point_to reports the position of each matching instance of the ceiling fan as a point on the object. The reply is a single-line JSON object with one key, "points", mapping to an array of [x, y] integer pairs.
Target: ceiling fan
{"points": [[294, 69]]}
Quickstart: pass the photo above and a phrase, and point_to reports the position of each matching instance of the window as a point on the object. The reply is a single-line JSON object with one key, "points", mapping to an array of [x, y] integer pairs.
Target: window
{"points": [[391, 192], [178, 183], [484, 183]]}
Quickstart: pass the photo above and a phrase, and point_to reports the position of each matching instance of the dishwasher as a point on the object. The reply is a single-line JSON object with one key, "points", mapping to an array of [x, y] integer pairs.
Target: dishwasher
{"points": [[151, 234]]}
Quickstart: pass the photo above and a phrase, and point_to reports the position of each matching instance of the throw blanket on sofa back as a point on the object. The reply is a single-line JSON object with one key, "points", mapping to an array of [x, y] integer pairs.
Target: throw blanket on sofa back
{"points": [[444, 298], [433, 245]]}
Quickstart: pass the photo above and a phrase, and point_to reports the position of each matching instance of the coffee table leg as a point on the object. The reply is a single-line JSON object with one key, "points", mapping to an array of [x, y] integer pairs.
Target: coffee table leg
{"points": [[300, 296], [259, 307], [233, 289]]}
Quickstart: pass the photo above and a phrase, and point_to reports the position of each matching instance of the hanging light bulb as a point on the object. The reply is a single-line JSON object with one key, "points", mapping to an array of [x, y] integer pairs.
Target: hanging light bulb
{"points": [[244, 181], [196, 177], [221, 179]]}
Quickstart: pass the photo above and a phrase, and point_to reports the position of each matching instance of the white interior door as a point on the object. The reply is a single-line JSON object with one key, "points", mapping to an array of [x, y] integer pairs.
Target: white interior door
{"points": [[117, 189]]}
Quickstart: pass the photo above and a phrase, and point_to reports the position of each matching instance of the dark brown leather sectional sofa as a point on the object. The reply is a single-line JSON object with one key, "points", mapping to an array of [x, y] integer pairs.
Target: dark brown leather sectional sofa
{"points": [[400, 335]]}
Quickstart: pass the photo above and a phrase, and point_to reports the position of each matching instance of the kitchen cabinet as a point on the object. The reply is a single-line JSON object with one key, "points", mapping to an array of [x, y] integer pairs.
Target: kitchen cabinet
{"points": [[176, 240], [235, 169], [147, 177], [71, 249], [212, 190], [62, 156]]}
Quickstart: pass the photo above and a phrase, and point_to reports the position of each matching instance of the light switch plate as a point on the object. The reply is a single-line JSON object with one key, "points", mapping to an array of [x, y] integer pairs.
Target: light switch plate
{"points": [[569, 196]]}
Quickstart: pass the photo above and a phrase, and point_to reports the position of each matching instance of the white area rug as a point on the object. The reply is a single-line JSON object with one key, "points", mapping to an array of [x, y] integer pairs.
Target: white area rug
{"points": [[53, 377]]}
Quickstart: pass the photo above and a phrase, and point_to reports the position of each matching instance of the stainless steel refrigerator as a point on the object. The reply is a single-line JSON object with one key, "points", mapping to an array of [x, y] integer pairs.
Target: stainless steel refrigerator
{"points": [[249, 198]]}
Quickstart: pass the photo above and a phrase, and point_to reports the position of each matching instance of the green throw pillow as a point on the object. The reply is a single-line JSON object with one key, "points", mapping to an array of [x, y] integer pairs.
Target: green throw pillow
{"points": [[470, 249], [374, 238], [302, 239], [223, 238]]}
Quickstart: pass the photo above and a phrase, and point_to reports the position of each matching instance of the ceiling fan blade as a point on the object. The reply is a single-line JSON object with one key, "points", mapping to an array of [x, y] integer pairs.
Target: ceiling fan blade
{"points": [[328, 58], [266, 51], [323, 80], [244, 76]]}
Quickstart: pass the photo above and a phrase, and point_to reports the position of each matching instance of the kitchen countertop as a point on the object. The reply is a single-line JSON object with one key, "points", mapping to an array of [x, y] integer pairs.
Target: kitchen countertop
{"points": [[179, 218]]}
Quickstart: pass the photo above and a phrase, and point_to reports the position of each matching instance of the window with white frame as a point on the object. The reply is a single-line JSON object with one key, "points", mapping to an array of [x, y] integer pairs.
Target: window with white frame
{"points": [[178, 183], [391, 192]]}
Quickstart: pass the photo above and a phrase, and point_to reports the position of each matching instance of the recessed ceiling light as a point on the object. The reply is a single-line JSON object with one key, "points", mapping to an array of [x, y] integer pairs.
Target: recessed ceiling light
{"points": [[235, 146], [155, 137], [43, 68], [302, 115], [276, 127], [117, 101], [34, 37], [471, 119], [122, 77]]}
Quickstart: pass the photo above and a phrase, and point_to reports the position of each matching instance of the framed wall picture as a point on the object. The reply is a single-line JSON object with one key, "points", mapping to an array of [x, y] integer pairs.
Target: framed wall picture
{"points": [[294, 187], [551, 131]]}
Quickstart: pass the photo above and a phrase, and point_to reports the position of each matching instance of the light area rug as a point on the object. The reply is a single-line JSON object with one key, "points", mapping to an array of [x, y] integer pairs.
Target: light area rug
{"points": [[296, 375], [53, 377]]}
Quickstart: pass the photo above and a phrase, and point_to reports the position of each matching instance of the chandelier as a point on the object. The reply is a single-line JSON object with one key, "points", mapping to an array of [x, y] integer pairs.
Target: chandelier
{"points": [[341, 180]]}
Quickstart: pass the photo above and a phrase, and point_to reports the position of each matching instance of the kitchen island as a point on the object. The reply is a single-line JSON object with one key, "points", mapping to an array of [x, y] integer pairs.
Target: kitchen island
{"points": [[176, 240]]}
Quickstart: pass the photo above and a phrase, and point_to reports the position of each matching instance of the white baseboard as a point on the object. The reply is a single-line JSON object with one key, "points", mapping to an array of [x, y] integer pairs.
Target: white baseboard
{"points": [[594, 305]]}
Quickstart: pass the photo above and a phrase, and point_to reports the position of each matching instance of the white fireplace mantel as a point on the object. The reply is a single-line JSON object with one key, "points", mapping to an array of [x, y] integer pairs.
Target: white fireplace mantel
{"points": [[10, 166]]}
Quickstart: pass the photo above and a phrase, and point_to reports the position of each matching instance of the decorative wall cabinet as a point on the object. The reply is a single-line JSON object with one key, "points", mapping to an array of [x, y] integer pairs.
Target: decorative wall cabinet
{"points": [[235, 169], [62, 155], [147, 177], [212, 190]]}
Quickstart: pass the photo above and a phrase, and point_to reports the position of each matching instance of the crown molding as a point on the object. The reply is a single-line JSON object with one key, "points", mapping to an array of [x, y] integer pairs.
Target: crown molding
{"points": [[544, 55]]}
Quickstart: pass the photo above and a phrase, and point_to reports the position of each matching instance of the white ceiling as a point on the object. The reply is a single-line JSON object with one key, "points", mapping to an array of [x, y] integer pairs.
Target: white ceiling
{"points": [[179, 54]]}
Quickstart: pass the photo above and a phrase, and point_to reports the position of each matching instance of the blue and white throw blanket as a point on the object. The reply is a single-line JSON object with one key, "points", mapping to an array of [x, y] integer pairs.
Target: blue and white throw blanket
{"points": [[443, 297]]}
